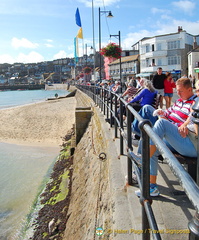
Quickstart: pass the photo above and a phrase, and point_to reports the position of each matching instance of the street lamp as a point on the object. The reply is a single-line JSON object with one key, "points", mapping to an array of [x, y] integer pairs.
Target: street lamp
{"points": [[119, 38], [110, 16]]}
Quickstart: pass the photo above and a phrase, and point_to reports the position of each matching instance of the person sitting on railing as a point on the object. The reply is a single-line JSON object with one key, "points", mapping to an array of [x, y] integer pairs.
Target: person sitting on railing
{"points": [[130, 92], [174, 127], [146, 96], [117, 88]]}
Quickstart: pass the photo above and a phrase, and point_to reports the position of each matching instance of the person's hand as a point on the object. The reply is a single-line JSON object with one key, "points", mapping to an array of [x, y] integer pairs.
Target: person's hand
{"points": [[158, 112], [183, 130]]}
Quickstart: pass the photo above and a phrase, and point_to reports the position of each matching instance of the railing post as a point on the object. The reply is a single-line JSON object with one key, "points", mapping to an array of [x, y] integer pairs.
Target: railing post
{"points": [[145, 178], [121, 125], [115, 103], [101, 98], [107, 102], [111, 116], [129, 144], [104, 101], [194, 227]]}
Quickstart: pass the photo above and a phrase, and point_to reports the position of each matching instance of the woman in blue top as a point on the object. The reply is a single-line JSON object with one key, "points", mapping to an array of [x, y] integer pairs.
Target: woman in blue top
{"points": [[146, 96]]}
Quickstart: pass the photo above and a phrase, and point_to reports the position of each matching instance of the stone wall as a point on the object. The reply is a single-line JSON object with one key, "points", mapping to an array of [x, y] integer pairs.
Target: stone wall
{"points": [[91, 203]]}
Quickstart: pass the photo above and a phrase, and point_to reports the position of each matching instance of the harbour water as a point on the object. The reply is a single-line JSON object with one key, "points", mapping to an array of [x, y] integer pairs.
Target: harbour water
{"points": [[22, 168], [16, 98]]}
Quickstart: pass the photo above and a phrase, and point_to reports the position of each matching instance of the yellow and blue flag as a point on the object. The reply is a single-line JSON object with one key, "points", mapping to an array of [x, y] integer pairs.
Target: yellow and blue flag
{"points": [[78, 22]]}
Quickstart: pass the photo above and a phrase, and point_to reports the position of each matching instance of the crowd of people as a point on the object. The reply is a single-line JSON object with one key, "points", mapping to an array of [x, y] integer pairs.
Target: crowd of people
{"points": [[172, 123]]}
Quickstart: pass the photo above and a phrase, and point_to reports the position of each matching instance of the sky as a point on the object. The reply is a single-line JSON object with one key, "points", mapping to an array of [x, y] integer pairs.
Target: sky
{"points": [[44, 30]]}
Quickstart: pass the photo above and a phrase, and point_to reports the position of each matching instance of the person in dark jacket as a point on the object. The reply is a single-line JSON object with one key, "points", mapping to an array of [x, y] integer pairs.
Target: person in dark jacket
{"points": [[158, 83]]}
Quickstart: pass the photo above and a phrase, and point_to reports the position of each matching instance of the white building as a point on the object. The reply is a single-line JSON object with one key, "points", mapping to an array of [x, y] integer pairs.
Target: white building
{"points": [[193, 63], [168, 51]]}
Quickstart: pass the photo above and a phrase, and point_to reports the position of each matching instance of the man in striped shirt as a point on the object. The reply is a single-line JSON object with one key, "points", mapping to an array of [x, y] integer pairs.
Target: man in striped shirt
{"points": [[172, 127]]}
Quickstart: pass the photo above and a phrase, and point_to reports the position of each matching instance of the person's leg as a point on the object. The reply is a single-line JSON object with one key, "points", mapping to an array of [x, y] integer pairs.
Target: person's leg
{"points": [[161, 101], [165, 129], [167, 101], [170, 98], [146, 112], [168, 131]]}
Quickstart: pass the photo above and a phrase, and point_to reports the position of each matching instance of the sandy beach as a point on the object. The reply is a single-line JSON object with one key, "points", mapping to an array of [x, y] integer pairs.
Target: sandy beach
{"points": [[43, 123]]}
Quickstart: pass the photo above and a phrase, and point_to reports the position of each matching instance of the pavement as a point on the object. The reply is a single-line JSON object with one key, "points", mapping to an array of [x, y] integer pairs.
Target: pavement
{"points": [[172, 209]]}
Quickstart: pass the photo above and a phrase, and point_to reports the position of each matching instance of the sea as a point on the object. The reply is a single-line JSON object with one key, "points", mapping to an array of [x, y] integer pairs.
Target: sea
{"points": [[24, 170]]}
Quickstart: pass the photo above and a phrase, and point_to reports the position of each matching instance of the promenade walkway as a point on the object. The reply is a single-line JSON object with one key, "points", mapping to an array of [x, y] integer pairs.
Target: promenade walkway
{"points": [[172, 208]]}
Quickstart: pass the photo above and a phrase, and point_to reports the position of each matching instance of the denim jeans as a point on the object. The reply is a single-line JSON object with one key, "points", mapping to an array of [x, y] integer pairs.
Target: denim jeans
{"points": [[146, 112], [169, 133]]}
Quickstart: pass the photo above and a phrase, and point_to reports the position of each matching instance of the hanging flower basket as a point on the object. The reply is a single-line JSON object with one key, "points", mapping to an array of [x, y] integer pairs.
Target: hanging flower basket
{"points": [[87, 70], [111, 50]]}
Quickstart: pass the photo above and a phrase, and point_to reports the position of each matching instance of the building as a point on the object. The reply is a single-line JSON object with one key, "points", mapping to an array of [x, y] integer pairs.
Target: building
{"points": [[130, 67], [193, 63], [168, 51]]}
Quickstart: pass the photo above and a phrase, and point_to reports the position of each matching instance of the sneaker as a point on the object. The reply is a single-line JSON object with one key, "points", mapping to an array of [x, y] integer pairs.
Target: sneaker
{"points": [[154, 192]]}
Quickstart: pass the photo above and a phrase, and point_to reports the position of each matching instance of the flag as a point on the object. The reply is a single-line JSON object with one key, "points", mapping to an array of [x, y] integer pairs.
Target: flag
{"points": [[77, 17], [78, 22], [76, 48], [80, 34]]}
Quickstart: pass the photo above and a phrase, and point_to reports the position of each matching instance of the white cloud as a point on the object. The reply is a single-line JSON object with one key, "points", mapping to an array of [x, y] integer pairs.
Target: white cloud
{"points": [[60, 54], [132, 38], [186, 6], [157, 10], [6, 58], [48, 45], [99, 3], [32, 57], [23, 42]]}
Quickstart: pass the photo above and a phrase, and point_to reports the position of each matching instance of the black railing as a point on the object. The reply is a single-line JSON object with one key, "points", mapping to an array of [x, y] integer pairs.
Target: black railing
{"points": [[108, 102]]}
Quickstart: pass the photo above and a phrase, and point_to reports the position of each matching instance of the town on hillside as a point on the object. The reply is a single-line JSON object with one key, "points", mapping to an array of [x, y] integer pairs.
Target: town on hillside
{"points": [[177, 53]]}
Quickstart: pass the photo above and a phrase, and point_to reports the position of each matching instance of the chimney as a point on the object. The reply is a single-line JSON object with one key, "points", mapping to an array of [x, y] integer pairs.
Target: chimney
{"points": [[179, 28]]}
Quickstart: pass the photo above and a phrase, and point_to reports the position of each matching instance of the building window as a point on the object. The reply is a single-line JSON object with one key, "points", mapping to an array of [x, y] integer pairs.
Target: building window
{"points": [[159, 47], [153, 48], [173, 60], [147, 62], [147, 48], [173, 45], [159, 61]]}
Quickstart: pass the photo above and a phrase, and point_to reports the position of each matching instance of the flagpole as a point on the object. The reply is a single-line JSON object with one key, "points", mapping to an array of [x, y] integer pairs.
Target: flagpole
{"points": [[93, 41]]}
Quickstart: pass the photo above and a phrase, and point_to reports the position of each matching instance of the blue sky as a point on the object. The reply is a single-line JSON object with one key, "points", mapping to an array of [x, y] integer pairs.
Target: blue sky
{"points": [[44, 30]]}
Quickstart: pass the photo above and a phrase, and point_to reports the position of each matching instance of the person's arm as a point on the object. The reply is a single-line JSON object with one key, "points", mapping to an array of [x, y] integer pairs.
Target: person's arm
{"points": [[183, 130], [138, 97]]}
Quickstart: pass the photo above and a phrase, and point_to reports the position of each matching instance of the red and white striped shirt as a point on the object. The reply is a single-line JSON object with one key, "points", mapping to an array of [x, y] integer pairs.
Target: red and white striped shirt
{"points": [[180, 111]]}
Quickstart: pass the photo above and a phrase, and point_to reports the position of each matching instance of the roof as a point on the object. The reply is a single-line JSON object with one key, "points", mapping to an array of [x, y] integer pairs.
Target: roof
{"points": [[126, 59]]}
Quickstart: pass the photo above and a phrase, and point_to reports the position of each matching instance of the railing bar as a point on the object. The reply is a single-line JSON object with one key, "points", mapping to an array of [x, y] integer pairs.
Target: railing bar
{"points": [[152, 222]]}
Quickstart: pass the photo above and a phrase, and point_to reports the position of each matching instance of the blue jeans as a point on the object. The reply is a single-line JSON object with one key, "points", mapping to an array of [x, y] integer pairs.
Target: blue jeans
{"points": [[146, 112], [169, 133]]}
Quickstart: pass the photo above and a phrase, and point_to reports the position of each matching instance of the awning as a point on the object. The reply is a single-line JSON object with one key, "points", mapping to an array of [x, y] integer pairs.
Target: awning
{"points": [[144, 74]]}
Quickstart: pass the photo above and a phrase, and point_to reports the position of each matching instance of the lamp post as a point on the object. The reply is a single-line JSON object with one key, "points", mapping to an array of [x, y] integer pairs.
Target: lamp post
{"points": [[109, 15], [119, 38]]}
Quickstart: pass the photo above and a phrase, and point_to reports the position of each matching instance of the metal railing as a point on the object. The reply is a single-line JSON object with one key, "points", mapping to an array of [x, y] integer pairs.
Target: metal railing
{"points": [[108, 102]]}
